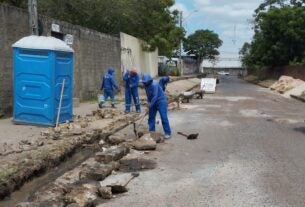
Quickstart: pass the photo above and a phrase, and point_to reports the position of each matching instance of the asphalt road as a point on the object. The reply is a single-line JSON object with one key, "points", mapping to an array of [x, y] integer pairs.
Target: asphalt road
{"points": [[250, 152]]}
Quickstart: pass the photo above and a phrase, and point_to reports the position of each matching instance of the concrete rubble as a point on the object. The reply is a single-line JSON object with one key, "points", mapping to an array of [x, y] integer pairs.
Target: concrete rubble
{"points": [[111, 154], [77, 187], [118, 138], [83, 195], [146, 142], [136, 161], [105, 192], [98, 172], [117, 182]]}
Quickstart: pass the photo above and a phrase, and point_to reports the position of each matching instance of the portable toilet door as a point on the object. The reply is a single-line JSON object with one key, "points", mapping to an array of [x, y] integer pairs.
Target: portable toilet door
{"points": [[63, 72], [40, 63]]}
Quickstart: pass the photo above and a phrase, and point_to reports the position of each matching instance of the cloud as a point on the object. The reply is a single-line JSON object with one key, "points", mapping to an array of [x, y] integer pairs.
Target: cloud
{"points": [[181, 7], [230, 19]]}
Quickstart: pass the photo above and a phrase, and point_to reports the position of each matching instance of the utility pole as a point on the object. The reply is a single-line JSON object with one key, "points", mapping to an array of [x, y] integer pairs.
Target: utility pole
{"points": [[33, 16], [180, 46]]}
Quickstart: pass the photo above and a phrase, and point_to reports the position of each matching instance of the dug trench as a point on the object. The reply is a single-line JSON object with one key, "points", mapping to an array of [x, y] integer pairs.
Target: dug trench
{"points": [[74, 166], [116, 160], [73, 145], [78, 170]]}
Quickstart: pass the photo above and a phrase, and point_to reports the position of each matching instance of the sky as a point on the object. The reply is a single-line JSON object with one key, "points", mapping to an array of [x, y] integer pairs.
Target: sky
{"points": [[230, 19]]}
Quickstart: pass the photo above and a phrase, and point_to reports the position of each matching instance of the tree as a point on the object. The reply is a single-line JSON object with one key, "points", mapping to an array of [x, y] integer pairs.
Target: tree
{"points": [[151, 21], [203, 44], [279, 37], [244, 54], [17, 3]]}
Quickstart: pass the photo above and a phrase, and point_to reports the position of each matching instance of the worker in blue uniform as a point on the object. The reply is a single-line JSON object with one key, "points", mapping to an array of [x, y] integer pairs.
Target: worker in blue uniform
{"points": [[108, 85], [156, 102], [131, 79], [164, 81]]}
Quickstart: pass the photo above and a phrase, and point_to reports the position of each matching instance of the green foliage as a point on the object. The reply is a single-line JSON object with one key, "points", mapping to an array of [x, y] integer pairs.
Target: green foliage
{"points": [[203, 44], [151, 21], [279, 37], [17, 3], [164, 70]]}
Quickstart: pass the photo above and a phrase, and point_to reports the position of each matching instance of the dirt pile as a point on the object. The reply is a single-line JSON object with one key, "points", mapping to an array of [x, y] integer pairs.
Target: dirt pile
{"points": [[286, 83], [297, 91]]}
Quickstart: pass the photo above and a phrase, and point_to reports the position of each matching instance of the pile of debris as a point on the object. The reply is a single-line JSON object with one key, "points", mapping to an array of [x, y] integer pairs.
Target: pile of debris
{"points": [[286, 83], [101, 177]]}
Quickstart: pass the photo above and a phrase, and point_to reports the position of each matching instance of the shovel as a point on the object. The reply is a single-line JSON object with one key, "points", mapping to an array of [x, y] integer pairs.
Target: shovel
{"points": [[122, 188], [191, 136]]}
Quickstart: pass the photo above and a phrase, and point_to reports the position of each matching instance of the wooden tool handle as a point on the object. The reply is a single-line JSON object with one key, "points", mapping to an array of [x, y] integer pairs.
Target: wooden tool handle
{"points": [[182, 134]]}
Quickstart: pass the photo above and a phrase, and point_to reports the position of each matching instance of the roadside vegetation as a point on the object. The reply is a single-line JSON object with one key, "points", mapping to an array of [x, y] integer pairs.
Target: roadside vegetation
{"points": [[279, 38], [203, 44], [152, 21]]}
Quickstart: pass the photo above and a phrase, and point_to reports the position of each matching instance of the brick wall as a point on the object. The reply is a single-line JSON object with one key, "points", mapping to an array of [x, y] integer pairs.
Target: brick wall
{"points": [[94, 53]]}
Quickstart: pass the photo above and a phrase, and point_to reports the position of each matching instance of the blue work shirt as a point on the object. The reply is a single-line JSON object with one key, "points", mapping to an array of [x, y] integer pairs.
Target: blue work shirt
{"points": [[131, 81], [154, 94], [108, 82], [163, 82]]}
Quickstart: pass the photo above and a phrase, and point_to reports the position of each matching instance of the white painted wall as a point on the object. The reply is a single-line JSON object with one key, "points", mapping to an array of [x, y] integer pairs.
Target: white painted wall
{"points": [[132, 55]]}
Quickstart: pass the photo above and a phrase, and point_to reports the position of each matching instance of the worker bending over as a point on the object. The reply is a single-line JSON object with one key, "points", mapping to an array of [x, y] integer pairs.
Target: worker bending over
{"points": [[156, 102], [131, 79]]}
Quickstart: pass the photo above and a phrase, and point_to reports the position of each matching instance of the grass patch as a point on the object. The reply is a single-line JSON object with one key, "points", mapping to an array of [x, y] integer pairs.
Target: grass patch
{"points": [[5, 174]]}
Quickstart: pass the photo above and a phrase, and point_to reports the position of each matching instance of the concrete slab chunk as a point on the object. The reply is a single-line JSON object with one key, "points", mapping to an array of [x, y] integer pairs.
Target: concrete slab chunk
{"points": [[117, 182], [136, 162], [145, 143], [111, 154], [98, 172], [84, 195]]}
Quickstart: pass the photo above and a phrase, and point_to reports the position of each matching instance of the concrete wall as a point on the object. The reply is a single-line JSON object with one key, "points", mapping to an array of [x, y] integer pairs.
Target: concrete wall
{"points": [[134, 56], [94, 53], [295, 71]]}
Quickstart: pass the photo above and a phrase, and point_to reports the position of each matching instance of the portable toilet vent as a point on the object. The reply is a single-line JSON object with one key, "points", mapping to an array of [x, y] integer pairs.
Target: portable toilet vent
{"points": [[41, 64]]}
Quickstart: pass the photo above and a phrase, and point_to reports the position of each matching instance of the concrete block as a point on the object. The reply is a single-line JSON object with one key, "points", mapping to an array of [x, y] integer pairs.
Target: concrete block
{"points": [[111, 154]]}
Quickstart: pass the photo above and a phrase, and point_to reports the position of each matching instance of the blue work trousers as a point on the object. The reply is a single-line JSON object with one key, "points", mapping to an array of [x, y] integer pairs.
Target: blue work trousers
{"points": [[109, 93], [162, 108], [132, 93]]}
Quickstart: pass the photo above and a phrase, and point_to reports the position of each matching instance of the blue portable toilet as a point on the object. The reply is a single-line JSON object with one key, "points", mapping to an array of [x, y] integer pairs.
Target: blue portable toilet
{"points": [[40, 66]]}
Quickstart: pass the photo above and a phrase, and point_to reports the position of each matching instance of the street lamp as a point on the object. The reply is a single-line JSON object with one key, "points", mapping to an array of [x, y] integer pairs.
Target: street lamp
{"points": [[181, 20]]}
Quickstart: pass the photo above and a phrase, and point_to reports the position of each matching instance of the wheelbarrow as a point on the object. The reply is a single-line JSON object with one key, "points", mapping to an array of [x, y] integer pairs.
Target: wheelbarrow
{"points": [[187, 95]]}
